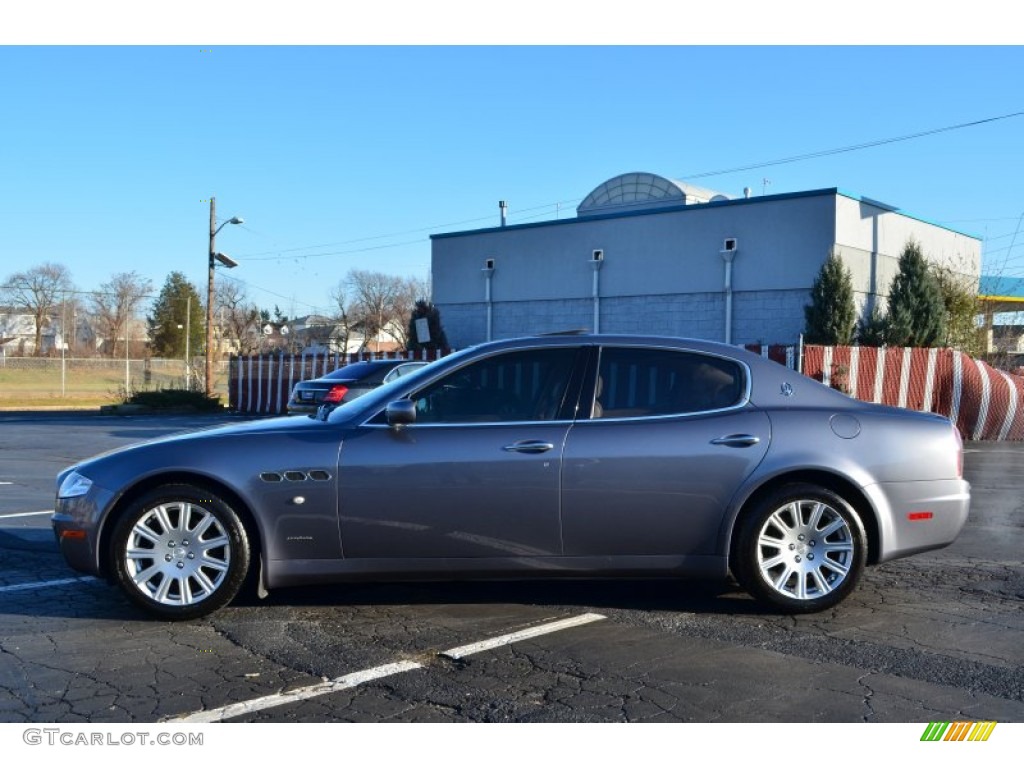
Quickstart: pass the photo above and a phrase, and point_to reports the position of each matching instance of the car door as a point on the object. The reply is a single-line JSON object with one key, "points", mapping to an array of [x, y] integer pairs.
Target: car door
{"points": [[669, 440], [476, 475]]}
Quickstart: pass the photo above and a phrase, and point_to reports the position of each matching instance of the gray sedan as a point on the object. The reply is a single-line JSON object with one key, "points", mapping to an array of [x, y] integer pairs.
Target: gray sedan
{"points": [[552, 456]]}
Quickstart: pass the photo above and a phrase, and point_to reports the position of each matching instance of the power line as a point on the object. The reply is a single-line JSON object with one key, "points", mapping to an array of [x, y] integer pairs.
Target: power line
{"points": [[853, 147], [704, 174]]}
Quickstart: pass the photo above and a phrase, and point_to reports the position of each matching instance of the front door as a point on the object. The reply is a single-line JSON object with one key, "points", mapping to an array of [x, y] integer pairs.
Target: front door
{"points": [[476, 476]]}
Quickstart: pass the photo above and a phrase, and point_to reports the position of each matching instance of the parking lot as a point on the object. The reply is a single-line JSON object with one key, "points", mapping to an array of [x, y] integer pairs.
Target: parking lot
{"points": [[939, 636]]}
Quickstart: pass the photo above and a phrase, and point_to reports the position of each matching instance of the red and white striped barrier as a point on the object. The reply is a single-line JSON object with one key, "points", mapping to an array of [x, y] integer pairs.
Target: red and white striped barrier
{"points": [[984, 403]]}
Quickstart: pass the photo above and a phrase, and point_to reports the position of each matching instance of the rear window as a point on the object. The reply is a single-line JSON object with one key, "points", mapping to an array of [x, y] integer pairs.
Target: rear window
{"points": [[635, 382], [359, 370]]}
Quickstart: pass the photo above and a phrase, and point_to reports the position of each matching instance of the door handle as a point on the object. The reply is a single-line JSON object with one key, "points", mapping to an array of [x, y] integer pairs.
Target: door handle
{"points": [[737, 441], [529, 446]]}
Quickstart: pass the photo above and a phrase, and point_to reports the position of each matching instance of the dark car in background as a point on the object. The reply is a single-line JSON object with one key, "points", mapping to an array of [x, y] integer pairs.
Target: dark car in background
{"points": [[347, 383]]}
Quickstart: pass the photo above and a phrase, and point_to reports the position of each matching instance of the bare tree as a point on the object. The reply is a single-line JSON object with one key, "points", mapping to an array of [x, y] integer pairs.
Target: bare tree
{"points": [[114, 304], [382, 303], [38, 291], [239, 316], [344, 315]]}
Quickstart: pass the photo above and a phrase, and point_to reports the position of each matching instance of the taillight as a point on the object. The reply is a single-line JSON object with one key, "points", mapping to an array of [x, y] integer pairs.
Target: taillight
{"points": [[335, 394]]}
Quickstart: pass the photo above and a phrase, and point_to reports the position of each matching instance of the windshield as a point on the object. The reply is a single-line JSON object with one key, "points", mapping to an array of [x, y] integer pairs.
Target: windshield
{"points": [[379, 398]]}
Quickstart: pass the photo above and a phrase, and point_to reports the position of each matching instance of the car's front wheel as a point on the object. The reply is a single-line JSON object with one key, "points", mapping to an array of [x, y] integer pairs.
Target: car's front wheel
{"points": [[802, 549], [180, 552]]}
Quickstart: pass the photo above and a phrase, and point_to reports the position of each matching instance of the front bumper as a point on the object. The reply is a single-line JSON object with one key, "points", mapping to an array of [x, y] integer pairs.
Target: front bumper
{"points": [[76, 524]]}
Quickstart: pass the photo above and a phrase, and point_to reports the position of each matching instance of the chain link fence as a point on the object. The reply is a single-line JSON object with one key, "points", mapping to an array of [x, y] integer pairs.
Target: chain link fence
{"points": [[70, 381]]}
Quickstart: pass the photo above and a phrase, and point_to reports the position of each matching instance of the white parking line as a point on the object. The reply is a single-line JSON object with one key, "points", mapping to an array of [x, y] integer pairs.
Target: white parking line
{"points": [[375, 673], [496, 642], [41, 584], [25, 514]]}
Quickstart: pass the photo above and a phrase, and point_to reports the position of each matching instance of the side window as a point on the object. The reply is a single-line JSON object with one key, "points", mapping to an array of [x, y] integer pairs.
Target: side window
{"points": [[633, 382], [526, 385]]}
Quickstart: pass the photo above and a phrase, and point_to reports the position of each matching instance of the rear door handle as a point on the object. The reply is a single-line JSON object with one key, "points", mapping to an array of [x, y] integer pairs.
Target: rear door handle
{"points": [[529, 446], [737, 441]]}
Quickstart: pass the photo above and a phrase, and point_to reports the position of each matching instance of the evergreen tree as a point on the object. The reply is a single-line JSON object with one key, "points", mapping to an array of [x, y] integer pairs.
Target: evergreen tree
{"points": [[170, 319], [871, 329], [831, 315], [916, 316], [438, 340]]}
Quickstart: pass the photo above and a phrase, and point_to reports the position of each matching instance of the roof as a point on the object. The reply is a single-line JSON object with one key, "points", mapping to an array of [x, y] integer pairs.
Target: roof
{"points": [[643, 191]]}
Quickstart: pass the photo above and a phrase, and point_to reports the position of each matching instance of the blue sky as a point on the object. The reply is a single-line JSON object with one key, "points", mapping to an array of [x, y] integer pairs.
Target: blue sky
{"points": [[349, 157]]}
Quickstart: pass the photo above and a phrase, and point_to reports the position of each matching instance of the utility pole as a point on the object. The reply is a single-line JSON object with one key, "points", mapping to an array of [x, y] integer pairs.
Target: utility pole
{"points": [[227, 262], [209, 299]]}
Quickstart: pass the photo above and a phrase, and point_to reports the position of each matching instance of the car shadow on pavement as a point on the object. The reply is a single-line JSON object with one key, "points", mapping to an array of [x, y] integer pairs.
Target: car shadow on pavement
{"points": [[672, 595]]}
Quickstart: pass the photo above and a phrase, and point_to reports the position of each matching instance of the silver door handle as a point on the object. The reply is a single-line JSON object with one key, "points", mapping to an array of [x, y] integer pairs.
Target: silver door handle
{"points": [[529, 446], [737, 441]]}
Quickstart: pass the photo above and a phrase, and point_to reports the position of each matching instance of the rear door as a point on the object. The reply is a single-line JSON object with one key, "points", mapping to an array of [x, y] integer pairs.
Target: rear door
{"points": [[669, 440]]}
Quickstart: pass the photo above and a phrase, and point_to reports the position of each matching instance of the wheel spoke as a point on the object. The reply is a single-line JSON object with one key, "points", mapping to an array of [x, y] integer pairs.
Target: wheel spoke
{"points": [[836, 525], [216, 564], [143, 576], [816, 513], [768, 541], [220, 541], [204, 524], [164, 518], [140, 529], [839, 546], [164, 588], [780, 582], [780, 522], [837, 567], [767, 565], [822, 584], [204, 582], [186, 591]]}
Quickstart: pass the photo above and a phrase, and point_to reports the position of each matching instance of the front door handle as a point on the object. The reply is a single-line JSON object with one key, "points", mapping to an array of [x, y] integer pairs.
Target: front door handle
{"points": [[529, 446], [737, 441]]}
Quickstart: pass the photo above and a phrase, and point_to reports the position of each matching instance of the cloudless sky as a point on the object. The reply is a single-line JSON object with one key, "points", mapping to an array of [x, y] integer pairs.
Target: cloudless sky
{"points": [[349, 157]]}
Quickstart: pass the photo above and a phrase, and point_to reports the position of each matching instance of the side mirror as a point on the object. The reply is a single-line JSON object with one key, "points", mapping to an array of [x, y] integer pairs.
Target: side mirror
{"points": [[401, 412]]}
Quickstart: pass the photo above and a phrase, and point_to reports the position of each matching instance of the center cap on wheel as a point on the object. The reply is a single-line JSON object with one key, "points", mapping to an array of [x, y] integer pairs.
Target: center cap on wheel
{"points": [[180, 552]]}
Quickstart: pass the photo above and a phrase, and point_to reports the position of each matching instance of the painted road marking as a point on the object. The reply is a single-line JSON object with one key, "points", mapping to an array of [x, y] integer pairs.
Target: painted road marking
{"points": [[544, 629], [42, 584], [25, 514], [375, 673]]}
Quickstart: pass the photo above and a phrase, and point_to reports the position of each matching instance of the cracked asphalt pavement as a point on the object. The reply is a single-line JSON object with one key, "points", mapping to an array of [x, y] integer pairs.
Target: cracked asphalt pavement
{"points": [[939, 636]]}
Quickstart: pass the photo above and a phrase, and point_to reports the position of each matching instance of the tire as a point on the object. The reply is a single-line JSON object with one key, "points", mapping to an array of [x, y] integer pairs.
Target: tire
{"points": [[801, 550], [180, 552]]}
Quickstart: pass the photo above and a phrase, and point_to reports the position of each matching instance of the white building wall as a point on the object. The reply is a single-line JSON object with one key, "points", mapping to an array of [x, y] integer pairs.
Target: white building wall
{"points": [[663, 271]]}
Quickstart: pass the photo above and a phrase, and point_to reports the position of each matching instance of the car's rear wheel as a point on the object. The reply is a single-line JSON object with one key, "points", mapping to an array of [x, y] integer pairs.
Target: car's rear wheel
{"points": [[180, 552], [802, 549]]}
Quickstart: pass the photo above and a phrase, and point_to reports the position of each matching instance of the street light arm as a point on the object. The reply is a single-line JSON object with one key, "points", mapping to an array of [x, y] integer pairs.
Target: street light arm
{"points": [[232, 220]]}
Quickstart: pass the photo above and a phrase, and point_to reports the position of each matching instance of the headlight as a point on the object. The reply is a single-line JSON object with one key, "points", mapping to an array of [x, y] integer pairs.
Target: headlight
{"points": [[73, 485]]}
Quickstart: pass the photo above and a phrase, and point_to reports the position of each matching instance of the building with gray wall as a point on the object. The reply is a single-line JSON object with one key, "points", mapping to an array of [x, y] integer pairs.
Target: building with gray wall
{"points": [[646, 254]]}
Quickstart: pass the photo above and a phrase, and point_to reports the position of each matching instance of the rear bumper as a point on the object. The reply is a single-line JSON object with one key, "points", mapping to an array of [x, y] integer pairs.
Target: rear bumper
{"points": [[918, 516]]}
